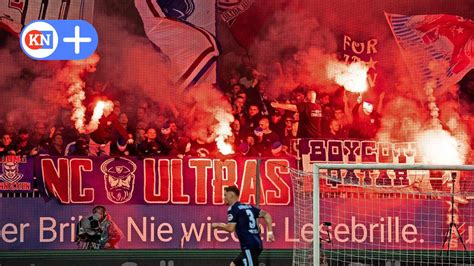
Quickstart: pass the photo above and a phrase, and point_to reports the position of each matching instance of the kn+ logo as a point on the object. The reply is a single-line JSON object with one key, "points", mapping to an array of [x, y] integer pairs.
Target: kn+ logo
{"points": [[58, 39]]}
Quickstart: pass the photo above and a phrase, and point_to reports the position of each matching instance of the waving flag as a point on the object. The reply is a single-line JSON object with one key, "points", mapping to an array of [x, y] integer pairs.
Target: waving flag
{"points": [[446, 40], [181, 31], [14, 14]]}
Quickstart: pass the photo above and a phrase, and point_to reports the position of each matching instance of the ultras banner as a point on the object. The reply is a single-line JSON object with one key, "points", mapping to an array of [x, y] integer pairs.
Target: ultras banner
{"points": [[189, 181]]}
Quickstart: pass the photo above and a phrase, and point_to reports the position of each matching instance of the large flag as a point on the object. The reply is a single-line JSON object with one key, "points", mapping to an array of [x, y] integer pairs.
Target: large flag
{"points": [[441, 46], [181, 29], [14, 14]]}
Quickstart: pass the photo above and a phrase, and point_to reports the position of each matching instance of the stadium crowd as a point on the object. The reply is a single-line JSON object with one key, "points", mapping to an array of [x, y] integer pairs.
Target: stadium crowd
{"points": [[262, 126]]}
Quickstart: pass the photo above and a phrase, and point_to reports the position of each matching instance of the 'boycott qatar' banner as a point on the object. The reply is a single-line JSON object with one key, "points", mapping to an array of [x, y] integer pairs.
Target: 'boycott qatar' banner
{"points": [[312, 151]]}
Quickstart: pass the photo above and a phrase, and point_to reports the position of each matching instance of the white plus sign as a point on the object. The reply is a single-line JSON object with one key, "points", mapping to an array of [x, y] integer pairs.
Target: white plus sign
{"points": [[77, 39]]}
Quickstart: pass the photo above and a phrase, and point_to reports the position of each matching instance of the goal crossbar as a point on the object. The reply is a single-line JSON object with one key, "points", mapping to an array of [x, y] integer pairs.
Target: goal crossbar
{"points": [[317, 167]]}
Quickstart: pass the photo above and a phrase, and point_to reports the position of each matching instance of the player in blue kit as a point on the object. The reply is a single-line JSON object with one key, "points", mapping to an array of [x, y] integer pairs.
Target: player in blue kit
{"points": [[243, 219]]}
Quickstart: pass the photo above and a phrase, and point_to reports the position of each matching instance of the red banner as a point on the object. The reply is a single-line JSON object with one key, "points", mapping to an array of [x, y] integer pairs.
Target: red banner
{"points": [[189, 181]]}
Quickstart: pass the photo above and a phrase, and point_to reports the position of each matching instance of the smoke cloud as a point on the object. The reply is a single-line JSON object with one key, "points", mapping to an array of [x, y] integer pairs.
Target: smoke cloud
{"points": [[31, 90]]}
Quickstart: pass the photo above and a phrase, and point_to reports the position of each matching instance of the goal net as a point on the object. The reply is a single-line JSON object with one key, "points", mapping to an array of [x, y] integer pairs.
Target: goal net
{"points": [[384, 214]]}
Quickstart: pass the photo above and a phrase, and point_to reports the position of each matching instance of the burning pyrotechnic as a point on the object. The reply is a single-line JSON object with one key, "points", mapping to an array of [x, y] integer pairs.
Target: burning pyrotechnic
{"points": [[73, 74], [223, 131], [439, 147], [98, 112], [352, 77]]}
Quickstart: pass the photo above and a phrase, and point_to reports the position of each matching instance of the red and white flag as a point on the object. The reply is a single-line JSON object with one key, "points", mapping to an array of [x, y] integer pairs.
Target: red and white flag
{"points": [[446, 40]]}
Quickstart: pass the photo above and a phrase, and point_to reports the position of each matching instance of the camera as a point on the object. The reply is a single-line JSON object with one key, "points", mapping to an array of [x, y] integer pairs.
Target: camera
{"points": [[89, 232]]}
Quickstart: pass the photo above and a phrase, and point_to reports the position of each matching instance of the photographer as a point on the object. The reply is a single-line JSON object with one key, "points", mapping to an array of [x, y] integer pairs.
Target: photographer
{"points": [[98, 231]]}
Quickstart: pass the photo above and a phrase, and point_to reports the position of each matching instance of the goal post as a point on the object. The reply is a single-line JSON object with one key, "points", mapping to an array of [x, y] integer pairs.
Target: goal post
{"points": [[316, 208]]}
